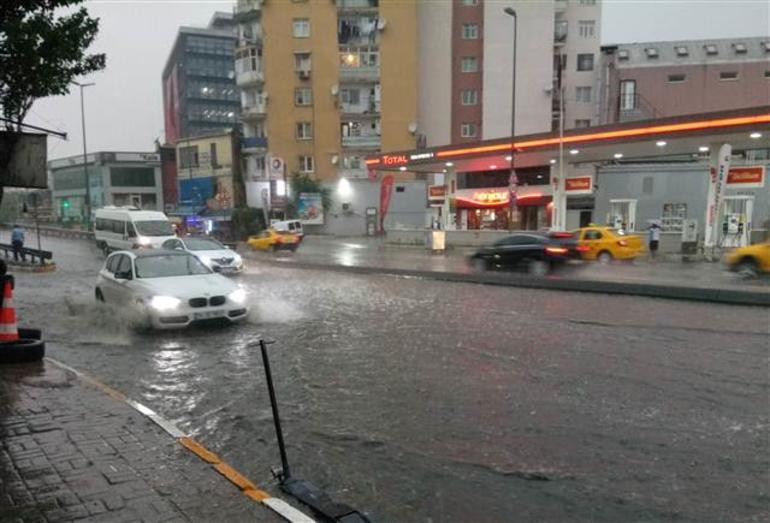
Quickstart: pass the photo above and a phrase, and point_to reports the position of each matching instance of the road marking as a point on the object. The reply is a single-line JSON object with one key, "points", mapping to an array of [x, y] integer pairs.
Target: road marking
{"points": [[248, 488]]}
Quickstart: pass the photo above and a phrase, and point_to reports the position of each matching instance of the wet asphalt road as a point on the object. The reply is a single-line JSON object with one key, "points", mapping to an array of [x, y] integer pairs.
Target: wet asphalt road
{"points": [[426, 401]]}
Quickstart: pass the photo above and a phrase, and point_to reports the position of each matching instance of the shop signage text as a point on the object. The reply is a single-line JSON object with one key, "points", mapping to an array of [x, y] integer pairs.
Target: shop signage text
{"points": [[746, 176], [491, 197], [400, 159], [421, 156], [578, 184], [436, 192]]}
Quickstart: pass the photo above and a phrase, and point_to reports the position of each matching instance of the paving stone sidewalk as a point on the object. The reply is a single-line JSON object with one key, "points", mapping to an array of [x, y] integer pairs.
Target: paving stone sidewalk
{"points": [[68, 451]]}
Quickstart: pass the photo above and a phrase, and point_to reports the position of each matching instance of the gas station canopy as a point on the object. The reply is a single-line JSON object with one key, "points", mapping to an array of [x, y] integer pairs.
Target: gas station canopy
{"points": [[639, 140]]}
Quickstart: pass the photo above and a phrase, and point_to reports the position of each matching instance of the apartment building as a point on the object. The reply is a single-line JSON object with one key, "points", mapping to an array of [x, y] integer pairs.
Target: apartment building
{"points": [[327, 82], [199, 91], [659, 79], [466, 62]]}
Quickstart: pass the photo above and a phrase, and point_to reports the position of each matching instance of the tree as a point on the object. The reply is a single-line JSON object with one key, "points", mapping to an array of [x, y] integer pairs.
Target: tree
{"points": [[40, 54]]}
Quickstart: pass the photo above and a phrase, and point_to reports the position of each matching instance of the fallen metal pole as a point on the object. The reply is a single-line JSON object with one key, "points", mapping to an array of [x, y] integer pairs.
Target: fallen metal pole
{"points": [[285, 471]]}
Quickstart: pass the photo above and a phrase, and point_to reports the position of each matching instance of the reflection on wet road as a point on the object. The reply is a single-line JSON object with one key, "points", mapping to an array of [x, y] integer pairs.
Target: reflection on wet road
{"points": [[420, 400]]}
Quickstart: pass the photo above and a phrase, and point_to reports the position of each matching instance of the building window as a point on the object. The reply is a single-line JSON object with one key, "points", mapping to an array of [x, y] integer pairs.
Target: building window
{"points": [[673, 216], [213, 155], [711, 49], [587, 28], [587, 2], [767, 74], [188, 157], [468, 130], [628, 95], [469, 97], [470, 2], [304, 131], [350, 96], [740, 48], [470, 31], [651, 52], [469, 64], [585, 62], [681, 50], [623, 54], [302, 61], [676, 78], [306, 164], [582, 124], [352, 162], [303, 96], [728, 75], [301, 28], [583, 94]]}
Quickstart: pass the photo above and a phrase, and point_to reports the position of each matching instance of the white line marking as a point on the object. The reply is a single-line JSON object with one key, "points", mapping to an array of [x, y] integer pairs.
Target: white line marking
{"points": [[287, 511]]}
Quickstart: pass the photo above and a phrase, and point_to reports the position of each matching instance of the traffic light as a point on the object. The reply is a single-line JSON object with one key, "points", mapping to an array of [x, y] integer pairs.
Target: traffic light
{"points": [[65, 204]]}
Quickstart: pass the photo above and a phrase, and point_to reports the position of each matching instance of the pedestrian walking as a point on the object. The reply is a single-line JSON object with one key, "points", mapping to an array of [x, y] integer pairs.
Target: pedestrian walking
{"points": [[654, 239], [17, 240]]}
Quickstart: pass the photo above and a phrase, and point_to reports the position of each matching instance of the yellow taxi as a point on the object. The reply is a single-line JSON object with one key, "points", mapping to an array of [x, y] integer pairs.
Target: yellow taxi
{"points": [[605, 244], [270, 239], [751, 260]]}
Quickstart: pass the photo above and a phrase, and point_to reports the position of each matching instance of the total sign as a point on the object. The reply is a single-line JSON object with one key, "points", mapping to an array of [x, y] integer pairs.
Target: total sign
{"points": [[579, 185]]}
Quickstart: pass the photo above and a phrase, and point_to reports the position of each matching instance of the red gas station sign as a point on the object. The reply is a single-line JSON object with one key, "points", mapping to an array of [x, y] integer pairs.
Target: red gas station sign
{"points": [[580, 183], [753, 176], [491, 197]]}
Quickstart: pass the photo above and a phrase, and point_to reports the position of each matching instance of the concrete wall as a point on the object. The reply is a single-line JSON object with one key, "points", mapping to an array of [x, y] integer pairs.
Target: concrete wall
{"points": [[534, 67], [672, 183], [572, 78], [435, 71], [407, 209]]}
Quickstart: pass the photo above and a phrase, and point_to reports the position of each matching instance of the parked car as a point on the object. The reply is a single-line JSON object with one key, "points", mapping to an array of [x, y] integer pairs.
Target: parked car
{"points": [[168, 289], [208, 250], [751, 260], [605, 244], [118, 228], [271, 239], [537, 253]]}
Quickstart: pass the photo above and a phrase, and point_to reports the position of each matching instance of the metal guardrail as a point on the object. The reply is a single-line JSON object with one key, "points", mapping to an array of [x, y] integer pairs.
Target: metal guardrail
{"points": [[56, 232], [27, 252]]}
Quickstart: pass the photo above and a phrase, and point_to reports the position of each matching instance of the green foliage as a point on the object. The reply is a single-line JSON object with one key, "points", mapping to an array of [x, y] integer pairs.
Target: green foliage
{"points": [[246, 222], [41, 53], [303, 183]]}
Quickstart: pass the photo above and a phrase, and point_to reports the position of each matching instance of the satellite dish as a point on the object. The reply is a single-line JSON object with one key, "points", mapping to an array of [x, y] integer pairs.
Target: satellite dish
{"points": [[412, 127]]}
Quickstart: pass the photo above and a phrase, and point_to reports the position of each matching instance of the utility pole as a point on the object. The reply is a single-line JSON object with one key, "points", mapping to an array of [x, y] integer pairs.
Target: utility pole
{"points": [[85, 154]]}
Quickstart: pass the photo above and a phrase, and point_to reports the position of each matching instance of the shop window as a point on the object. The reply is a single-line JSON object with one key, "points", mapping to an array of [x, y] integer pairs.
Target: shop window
{"points": [[673, 216]]}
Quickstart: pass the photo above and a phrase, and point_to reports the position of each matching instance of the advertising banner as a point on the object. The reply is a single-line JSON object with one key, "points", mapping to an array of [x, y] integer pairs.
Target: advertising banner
{"points": [[579, 185], [310, 208], [386, 191], [750, 176], [720, 166]]}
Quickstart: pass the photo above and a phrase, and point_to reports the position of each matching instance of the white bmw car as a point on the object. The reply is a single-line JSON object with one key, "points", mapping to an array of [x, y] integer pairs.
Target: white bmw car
{"points": [[168, 289], [212, 253]]}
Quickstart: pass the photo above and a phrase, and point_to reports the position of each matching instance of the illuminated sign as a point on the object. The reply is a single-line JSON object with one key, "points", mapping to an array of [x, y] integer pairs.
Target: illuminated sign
{"points": [[578, 184], [395, 159], [753, 176], [491, 197], [436, 192], [421, 156]]}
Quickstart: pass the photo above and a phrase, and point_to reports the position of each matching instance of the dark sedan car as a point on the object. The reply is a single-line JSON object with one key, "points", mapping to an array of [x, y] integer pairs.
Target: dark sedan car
{"points": [[536, 253]]}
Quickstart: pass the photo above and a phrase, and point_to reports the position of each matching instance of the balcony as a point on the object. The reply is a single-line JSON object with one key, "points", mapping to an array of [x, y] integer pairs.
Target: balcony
{"points": [[254, 111], [367, 107], [358, 6], [255, 171], [247, 9], [253, 144], [560, 33], [363, 142], [361, 74]]}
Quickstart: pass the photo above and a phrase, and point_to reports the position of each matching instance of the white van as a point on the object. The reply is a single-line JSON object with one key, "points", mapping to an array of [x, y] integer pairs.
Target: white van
{"points": [[124, 228], [292, 226]]}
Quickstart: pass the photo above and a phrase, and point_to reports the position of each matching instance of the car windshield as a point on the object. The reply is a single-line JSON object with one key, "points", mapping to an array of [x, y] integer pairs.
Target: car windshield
{"points": [[154, 228], [203, 244], [165, 266]]}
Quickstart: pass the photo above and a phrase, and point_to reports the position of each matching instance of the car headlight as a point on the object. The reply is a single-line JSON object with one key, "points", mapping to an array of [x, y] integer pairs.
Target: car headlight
{"points": [[164, 303], [237, 259], [238, 296]]}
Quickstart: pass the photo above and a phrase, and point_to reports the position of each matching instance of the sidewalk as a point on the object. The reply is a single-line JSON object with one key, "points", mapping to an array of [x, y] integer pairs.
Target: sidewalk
{"points": [[700, 280], [68, 451]]}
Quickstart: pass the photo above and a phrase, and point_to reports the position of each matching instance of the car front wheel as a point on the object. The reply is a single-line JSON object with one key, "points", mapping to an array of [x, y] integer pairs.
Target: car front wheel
{"points": [[747, 269]]}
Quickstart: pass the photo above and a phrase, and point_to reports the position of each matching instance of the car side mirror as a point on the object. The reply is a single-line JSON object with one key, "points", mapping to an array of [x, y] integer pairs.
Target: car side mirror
{"points": [[126, 275]]}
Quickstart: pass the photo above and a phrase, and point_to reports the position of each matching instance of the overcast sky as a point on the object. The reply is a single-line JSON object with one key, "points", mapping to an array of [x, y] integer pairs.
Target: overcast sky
{"points": [[124, 108]]}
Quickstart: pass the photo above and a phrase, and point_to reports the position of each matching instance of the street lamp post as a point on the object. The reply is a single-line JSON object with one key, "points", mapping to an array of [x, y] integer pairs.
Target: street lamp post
{"points": [[85, 154], [512, 180]]}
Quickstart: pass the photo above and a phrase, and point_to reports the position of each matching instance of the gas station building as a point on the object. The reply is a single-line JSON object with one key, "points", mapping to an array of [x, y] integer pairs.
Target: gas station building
{"points": [[705, 172]]}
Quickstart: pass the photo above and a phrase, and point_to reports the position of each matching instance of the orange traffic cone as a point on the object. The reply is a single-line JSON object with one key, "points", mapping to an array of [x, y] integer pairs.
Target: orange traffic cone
{"points": [[9, 330]]}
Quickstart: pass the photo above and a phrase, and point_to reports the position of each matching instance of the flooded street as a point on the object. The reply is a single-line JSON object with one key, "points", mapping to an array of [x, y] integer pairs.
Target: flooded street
{"points": [[419, 400]]}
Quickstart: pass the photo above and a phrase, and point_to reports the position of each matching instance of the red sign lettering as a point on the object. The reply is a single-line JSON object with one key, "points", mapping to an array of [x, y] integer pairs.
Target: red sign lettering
{"points": [[395, 159], [582, 183], [742, 175]]}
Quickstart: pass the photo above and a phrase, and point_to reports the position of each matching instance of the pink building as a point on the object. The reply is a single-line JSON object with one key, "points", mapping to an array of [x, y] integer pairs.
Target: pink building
{"points": [[659, 79]]}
